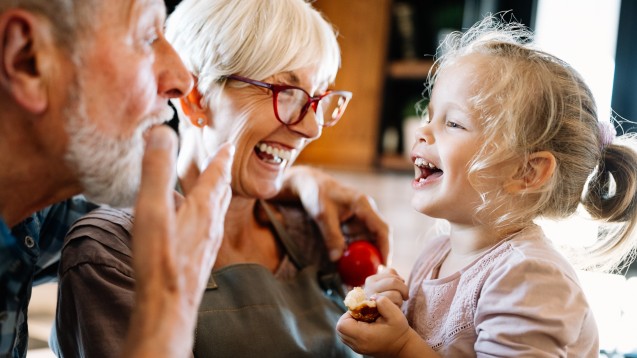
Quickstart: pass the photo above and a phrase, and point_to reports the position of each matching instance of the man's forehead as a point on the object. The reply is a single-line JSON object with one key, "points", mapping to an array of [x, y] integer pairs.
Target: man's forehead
{"points": [[131, 9], [149, 4]]}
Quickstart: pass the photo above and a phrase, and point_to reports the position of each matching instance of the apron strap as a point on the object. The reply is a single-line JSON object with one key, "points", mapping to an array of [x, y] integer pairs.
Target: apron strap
{"points": [[289, 244]]}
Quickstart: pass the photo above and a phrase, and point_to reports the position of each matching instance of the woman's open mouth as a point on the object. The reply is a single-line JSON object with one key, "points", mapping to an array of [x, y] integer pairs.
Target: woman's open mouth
{"points": [[273, 155]]}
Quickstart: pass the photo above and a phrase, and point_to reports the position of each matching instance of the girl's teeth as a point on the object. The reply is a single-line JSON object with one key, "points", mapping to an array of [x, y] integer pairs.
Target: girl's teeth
{"points": [[420, 162]]}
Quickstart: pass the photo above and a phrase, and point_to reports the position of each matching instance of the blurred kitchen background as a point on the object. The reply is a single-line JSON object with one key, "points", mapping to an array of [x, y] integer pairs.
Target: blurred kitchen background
{"points": [[387, 49]]}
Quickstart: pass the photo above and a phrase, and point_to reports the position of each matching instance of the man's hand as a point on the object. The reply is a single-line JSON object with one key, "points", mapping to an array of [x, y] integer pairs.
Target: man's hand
{"points": [[174, 249], [338, 210]]}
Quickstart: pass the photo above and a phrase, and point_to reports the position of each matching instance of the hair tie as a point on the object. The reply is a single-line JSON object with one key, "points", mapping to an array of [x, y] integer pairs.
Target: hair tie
{"points": [[607, 133]]}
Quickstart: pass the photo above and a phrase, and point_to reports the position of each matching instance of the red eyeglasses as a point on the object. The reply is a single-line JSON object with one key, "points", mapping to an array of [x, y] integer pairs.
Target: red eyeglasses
{"points": [[292, 103]]}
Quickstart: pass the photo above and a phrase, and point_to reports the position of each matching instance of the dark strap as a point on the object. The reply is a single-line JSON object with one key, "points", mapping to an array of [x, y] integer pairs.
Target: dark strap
{"points": [[288, 243], [330, 281]]}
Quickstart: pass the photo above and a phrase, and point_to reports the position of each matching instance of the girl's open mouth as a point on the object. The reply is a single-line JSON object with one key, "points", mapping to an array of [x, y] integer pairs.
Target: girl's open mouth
{"points": [[425, 171]]}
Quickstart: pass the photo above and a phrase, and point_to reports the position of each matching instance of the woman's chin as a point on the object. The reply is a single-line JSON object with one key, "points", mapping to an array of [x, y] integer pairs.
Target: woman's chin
{"points": [[261, 190]]}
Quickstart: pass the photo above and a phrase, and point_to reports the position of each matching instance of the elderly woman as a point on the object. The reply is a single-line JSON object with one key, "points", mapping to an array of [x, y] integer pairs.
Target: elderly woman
{"points": [[263, 68]]}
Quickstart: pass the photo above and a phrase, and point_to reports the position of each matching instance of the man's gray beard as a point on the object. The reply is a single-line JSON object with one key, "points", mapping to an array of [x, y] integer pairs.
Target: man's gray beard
{"points": [[109, 169]]}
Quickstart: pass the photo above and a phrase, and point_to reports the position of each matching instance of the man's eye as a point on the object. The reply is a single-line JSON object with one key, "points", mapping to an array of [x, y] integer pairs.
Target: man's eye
{"points": [[151, 40]]}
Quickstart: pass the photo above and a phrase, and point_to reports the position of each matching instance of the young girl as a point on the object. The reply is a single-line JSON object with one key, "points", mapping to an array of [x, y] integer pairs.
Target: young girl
{"points": [[512, 135]]}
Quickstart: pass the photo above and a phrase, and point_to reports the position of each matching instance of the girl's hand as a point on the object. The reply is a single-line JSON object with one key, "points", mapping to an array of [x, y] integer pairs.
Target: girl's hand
{"points": [[387, 283], [384, 337]]}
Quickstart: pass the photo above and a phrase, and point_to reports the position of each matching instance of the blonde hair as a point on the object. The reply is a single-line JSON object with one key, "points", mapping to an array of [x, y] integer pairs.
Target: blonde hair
{"points": [[530, 101], [253, 38]]}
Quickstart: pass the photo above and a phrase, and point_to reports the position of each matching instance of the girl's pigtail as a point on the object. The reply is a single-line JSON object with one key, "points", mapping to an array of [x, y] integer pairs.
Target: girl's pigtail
{"points": [[611, 198]]}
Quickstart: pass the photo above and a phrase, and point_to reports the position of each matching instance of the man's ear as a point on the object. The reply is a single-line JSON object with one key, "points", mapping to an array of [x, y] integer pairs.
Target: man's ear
{"points": [[22, 40], [193, 107], [533, 174]]}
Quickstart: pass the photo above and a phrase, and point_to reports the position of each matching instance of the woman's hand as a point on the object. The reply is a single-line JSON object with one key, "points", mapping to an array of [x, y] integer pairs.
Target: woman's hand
{"points": [[338, 210]]}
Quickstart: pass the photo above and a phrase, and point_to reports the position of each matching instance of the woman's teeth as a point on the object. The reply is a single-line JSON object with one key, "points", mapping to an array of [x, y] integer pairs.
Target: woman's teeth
{"points": [[278, 155]]}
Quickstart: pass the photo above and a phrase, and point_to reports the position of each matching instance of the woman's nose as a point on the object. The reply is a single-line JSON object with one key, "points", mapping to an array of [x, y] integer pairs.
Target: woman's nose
{"points": [[308, 126]]}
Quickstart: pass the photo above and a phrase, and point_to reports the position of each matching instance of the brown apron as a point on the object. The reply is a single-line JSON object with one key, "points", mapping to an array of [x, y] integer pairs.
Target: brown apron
{"points": [[247, 312]]}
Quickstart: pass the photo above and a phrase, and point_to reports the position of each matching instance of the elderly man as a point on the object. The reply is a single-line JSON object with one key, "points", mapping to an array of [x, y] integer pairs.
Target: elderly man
{"points": [[83, 85]]}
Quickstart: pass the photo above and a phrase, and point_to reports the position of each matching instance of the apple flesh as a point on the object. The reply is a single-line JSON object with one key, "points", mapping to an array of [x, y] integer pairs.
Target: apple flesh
{"points": [[360, 260]]}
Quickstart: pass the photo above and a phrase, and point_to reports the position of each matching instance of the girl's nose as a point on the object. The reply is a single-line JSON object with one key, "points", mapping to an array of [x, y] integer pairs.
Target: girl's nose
{"points": [[424, 133]]}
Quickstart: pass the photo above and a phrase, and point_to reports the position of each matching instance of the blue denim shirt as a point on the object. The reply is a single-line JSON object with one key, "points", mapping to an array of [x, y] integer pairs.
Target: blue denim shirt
{"points": [[29, 255]]}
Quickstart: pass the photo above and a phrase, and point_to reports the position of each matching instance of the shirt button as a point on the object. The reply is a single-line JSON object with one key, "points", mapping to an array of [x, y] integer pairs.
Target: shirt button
{"points": [[3, 316], [28, 240]]}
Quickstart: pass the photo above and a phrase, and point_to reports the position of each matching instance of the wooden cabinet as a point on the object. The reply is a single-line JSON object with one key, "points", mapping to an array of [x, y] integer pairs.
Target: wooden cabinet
{"points": [[404, 85], [363, 28]]}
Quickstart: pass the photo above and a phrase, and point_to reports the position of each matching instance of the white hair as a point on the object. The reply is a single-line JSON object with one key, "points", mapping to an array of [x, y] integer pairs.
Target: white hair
{"points": [[254, 38]]}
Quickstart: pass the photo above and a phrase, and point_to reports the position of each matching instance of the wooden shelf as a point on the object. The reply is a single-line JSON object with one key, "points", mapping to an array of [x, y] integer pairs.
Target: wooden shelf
{"points": [[396, 162], [409, 69]]}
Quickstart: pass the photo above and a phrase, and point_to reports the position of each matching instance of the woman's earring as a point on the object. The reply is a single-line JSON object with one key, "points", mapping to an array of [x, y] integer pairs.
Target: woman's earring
{"points": [[200, 122]]}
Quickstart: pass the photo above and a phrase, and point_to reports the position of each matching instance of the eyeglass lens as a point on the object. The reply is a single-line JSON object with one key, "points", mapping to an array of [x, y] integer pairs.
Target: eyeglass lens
{"points": [[291, 103]]}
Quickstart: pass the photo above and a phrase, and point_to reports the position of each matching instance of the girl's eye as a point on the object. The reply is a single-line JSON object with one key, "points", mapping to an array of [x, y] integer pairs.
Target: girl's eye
{"points": [[454, 125]]}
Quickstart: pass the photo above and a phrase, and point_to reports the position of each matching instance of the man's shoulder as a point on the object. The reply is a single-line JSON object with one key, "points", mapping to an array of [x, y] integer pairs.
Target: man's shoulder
{"points": [[103, 224], [102, 237]]}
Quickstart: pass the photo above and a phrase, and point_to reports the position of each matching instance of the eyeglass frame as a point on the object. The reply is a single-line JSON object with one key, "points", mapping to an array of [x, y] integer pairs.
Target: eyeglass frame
{"points": [[311, 100]]}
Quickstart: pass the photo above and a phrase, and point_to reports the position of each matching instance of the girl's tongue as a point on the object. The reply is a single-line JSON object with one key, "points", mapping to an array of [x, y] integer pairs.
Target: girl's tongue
{"points": [[429, 174]]}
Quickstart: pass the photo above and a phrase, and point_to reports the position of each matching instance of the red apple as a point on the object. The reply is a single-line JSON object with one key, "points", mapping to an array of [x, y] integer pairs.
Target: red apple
{"points": [[360, 259]]}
